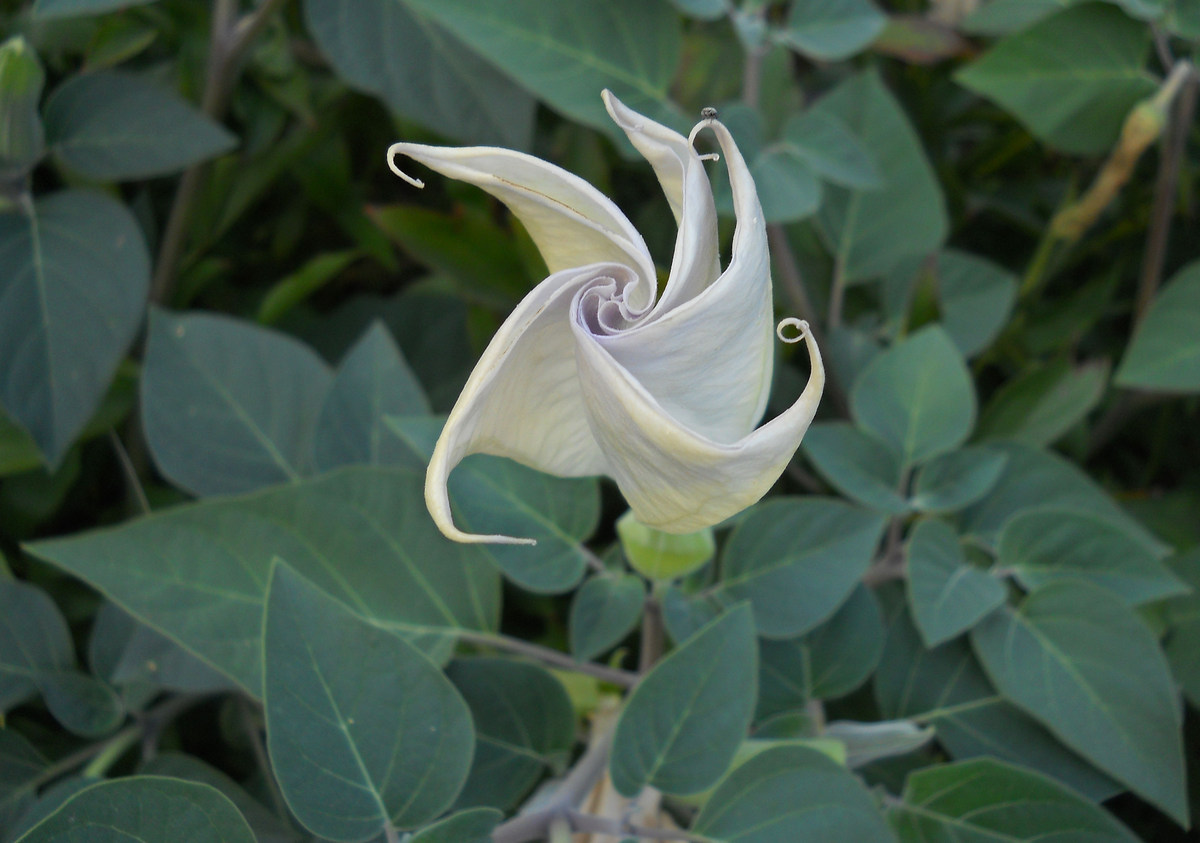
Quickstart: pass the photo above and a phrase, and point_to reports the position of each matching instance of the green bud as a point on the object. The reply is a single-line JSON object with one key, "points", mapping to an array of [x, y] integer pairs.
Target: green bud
{"points": [[21, 79], [663, 556]]}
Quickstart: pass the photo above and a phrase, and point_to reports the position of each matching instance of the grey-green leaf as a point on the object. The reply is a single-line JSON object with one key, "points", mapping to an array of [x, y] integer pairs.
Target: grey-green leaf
{"points": [[1043, 402], [957, 479], [1079, 661], [832, 30], [228, 406], [524, 725], [149, 809], [685, 720], [372, 382], [72, 294], [198, 573], [831, 149], [388, 48], [566, 54], [857, 464], [362, 728], [869, 230], [796, 560], [603, 611], [987, 801], [473, 826], [1076, 99], [917, 396], [976, 297], [114, 126], [1165, 352], [70, 8], [791, 793], [947, 594], [33, 638], [1046, 545]]}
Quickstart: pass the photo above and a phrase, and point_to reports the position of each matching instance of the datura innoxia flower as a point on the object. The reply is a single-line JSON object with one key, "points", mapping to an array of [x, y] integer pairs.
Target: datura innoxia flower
{"points": [[595, 373]]}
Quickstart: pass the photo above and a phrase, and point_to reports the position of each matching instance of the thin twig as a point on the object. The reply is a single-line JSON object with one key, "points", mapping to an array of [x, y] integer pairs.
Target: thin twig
{"points": [[132, 483], [594, 562], [390, 834], [254, 735], [547, 655], [592, 824], [652, 634], [1165, 188]]}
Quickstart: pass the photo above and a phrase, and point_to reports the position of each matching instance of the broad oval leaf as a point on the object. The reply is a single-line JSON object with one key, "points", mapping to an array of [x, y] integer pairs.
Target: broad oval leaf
{"points": [[473, 826], [857, 465], [796, 560], [72, 293], [958, 479], [986, 800], [150, 809], [791, 793], [33, 638], [947, 594], [685, 720], [1079, 661], [524, 728], [832, 30], [228, 406], [1043, 402], [976, 297], [388, 48], [1076, 99], [70, 8], [113, 126], [828, 146], [917, 396], [362, 728], [1165, 352], [1048, 545], [198, 573], [604, 610]]}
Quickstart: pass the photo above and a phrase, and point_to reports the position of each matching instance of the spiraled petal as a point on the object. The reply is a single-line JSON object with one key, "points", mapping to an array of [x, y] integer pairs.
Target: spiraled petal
{"points": [[674, 479], [572, 223], [707, 360], [523, 398]]}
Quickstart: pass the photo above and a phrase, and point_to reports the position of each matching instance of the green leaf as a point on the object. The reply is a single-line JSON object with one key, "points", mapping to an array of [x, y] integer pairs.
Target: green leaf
{"points": [[565, 54], [82, 704], [834, 152], [982, 801], [114, 126], [524, 725], [827, 663], [289, 291], [372, 382], [856, 464], [946, 688], [21, 769], [947, 594], [788, 189], [33, 639], [1047, 545], [790, 793], [1055, 657], [18, 452], [1182, 644], [869, 230], [1043, 402], [603, 611], [387, 48], [1034, 478], [832, 30], [67, 8], [703, 9], [976, 297], [866, 743], [149, 809], [492, 495], [1165, 352], [22, 77], [957, 479], [125, 652], [685, 720], [917, 397], [71, 299], [1076, 99], [796, 560], [473, 826], [362, 728], [198, 573], [217, 425]]}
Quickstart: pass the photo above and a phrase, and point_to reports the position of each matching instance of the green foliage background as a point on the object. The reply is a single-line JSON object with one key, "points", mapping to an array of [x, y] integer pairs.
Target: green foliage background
{"points": [[968, 610]]}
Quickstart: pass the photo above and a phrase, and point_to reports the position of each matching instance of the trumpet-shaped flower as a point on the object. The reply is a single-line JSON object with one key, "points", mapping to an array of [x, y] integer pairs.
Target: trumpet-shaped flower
{"points": [[595, 373]]}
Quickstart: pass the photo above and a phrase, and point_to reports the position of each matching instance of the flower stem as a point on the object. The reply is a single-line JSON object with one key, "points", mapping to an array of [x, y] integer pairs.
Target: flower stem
{"points": [[547, 655], [652, 633]]}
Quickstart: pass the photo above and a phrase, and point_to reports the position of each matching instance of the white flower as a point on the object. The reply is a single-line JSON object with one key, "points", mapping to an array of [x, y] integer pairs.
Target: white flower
{"points": [[593, 373]]}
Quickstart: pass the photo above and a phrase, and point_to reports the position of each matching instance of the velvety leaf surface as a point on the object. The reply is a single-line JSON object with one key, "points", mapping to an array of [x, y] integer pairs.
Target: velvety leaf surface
{"points": [[33, 638], [1042, 403], [72, 294], [947, 594], [604, 610], [67, 8], [684, 721], [957, 479], [829, 30], [473, 826], [976, 297], [835, 153], [856, 464], [796, 560], [1076, 659], [362, 728], [1165, 352], [114, 126]]}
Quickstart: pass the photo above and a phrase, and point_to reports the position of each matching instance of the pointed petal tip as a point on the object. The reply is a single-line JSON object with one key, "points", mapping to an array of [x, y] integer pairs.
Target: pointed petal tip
{"points": [[393, 150]]}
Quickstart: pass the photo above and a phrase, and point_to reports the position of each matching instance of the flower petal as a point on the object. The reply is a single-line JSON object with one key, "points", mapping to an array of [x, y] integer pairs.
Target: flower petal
{"points": [[707, 361], [523, 398], [674, 479], [572, 223]]}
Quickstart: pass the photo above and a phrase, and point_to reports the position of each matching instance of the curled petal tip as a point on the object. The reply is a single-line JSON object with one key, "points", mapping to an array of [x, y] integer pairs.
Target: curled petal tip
{"points": [[792, 322], [391, 160]]}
